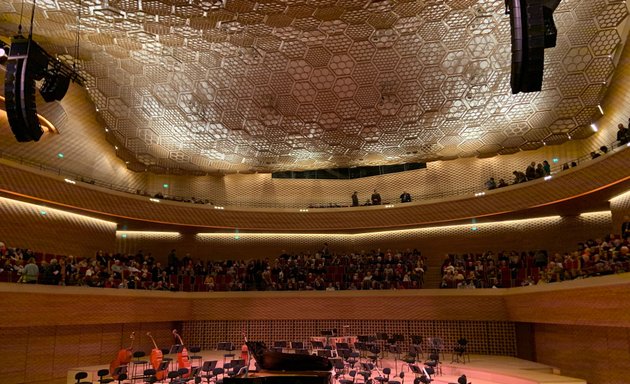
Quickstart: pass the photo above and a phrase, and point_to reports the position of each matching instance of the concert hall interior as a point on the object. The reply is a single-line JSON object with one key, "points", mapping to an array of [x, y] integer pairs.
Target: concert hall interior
{"points": [[224, 140]]}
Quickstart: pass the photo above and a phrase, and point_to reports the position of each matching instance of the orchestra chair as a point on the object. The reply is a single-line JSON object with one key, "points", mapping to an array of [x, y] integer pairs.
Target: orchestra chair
{"points": [[434, 363], [173, 376], [409, 359], [101, 376], [338, 365], [80, 376], [122, 377], [437, 346], [215, 374], [460, 351], [352, 374], [137, 355], [148, 376], [385, 378], [194, 350], [365, 375], [207, 370], [400, 375]]}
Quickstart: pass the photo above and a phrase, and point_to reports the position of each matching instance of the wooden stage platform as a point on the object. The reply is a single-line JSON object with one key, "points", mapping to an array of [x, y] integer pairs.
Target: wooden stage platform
{"points": [[481, 369]]}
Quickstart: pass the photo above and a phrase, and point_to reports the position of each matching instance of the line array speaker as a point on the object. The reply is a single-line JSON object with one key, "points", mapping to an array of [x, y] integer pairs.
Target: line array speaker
{"points": [[26, 63], [528, 45]]}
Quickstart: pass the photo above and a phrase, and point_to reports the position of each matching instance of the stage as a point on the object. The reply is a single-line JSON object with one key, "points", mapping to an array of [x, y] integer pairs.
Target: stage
{"points": [[481, 369]]}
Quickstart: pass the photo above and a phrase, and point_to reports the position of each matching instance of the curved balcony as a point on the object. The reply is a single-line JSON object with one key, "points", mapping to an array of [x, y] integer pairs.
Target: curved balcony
{"points": [[609, 174]]}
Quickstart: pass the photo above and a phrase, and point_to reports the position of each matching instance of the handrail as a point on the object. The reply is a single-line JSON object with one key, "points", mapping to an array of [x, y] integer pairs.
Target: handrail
{"points": [[260, 204]]}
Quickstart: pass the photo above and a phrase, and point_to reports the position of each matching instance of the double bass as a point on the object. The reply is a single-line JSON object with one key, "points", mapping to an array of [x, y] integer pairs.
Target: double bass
{"points": [[182, 356], [122, 358], [156, 360]]}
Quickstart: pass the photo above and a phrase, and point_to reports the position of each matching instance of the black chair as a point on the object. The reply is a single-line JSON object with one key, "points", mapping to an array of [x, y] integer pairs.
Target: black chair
{"points": [[460, 351], [461, 380], [207, 369], [148, 376], [137, 355], [122, 377], [338, 365], [352, 374], [434, 363], [385, 378], [400, 375], [173, 376], [216, 372], [80, 376], [101, 376], [194, 350], [409, 359], [437, 346]]}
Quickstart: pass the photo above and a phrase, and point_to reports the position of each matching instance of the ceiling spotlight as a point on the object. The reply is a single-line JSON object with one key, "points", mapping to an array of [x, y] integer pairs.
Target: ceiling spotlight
{"points": [[594, 127]]}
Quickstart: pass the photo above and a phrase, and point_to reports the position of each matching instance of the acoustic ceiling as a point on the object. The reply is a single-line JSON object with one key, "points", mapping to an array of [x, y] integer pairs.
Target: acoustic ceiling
{"points": [[195, 86]]}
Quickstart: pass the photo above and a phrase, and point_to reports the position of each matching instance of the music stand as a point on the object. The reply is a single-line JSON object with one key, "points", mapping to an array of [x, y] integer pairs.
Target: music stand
{"points": [[163, 366], [328, 333], [324, 353], [175, 348], [396, 351], [317, 344]]}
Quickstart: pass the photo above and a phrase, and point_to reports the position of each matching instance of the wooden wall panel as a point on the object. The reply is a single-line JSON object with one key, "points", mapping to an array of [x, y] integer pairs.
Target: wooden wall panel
{"points": [[598, 354], [44, 354], [13, 351], [601, 301], [40, 354], [611, 169], [52, 230]]}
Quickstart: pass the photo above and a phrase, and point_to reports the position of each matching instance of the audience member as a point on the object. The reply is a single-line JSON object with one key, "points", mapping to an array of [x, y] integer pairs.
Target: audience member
{"points": [[376, 198], [502, 183], [623, 135], [355, 199], [405, 197], [519, 177], [540, 171], [491, 184], [546, 168], [603, 149], [625, 228], [530, 172]]}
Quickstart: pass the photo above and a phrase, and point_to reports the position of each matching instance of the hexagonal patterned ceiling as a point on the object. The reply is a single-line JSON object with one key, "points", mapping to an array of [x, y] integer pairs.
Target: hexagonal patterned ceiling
{"points": [[243, 85]]}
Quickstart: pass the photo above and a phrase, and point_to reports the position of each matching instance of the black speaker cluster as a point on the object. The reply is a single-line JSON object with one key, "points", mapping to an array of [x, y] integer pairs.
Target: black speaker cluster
{"points": [[27, 63], [533, 30]]}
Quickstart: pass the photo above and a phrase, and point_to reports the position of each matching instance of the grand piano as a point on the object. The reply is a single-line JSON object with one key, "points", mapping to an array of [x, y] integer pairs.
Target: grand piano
{"points": [[283, 368]]}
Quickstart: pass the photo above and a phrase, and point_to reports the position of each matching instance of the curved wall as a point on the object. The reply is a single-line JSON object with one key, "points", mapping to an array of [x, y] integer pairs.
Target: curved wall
{"points": [[611, 171]]}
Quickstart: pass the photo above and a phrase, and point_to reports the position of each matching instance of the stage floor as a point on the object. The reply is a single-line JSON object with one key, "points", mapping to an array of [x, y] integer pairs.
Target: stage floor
{"points": [[481, 369]]}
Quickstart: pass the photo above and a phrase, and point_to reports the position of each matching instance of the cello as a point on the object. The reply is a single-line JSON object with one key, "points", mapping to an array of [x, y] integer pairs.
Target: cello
{"points": [[122, 358], [182, 356], [156, 360]]}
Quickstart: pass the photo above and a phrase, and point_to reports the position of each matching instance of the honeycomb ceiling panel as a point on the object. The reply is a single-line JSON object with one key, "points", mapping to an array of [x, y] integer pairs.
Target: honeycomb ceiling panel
{"points": [[246, 85]]}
